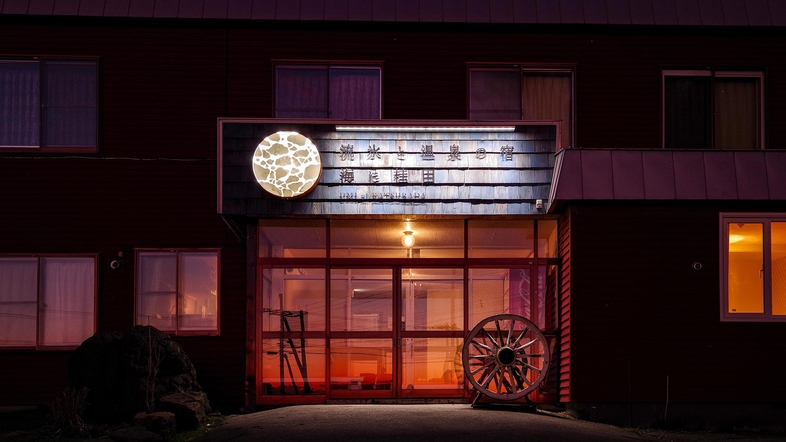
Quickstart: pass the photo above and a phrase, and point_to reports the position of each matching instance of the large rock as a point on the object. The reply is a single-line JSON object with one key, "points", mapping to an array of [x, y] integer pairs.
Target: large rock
{"points": [[98, 365], [134, 434], [190, 409], [115, 368], [161, 423]]}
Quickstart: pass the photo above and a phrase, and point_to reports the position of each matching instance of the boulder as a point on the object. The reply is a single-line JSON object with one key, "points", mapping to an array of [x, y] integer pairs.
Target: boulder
{"points": [[190, 409], [128, 373], [161, 423], [98, 365], [134, 434]]}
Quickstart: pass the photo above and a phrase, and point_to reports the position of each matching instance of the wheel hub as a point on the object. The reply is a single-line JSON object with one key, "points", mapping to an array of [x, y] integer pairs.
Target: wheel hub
{"points": [[506, 356]]}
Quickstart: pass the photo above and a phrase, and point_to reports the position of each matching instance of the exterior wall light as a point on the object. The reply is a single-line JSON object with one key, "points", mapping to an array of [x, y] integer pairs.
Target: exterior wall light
{"points": [[425, 129], [287, 165], [408, 240]]}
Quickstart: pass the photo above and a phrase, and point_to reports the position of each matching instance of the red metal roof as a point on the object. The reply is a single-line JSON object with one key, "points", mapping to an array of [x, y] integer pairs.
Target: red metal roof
{"points": [[591, 174], [592, 12]]}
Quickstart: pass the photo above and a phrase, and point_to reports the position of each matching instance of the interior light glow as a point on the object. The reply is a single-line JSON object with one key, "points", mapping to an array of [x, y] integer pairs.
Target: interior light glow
{"points": [[735, 238], [425, 129], [408, 240]]}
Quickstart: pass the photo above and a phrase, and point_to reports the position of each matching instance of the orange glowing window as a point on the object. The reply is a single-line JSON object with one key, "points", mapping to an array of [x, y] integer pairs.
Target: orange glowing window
{"points": [[746, 268], [754, 247], [177, 290]]}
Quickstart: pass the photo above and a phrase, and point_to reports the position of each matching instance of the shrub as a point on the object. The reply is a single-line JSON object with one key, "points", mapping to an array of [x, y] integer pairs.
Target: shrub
{"points": [[66, 413]]}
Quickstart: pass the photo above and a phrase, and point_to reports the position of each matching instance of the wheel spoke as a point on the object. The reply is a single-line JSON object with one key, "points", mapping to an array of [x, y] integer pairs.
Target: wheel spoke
{"points": [[532, 355], [484, 367], [481, 346], [490, 338], [531, 367], [501, 384], [511, 324], [499, 333], [482, 357], [489, 378], [521, 377], [513, 378], [528, 344], [523, 332]]}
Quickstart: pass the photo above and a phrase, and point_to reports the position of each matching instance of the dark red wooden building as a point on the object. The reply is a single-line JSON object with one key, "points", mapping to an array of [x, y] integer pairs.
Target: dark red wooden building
{"points": [[611, 170]]}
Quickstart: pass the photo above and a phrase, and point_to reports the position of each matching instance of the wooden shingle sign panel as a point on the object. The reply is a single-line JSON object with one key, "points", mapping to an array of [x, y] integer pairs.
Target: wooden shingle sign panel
{"points": [[395, 171]]}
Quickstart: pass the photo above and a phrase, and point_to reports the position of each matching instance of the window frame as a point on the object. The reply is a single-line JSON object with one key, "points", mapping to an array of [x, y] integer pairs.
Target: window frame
{"points": [[39, 258], [522, 69], [178, 252], [328, 65], [42, 90], [713, 74], [766, 219]]}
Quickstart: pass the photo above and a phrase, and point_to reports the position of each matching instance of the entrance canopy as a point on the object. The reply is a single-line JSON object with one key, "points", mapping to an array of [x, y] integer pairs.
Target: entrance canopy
{"points": [[618, 174]]}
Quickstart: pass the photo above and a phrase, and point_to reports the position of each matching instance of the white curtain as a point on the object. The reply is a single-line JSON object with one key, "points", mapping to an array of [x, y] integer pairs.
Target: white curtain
{"points": [[20, 107], [67, 300], [18, 297], [157, 290]]}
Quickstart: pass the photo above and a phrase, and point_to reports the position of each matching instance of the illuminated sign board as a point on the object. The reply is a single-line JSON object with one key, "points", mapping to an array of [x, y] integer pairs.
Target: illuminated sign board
{"points": [[461, 171]]}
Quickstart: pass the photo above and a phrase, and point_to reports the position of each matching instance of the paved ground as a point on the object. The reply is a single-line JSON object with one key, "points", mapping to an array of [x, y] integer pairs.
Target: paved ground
{"points": [[430, 423]]}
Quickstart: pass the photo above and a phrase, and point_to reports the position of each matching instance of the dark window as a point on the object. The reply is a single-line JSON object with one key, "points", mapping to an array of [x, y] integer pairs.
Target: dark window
{"points": [[48, 104], [523, 93], [712, 110], [327, 91]]}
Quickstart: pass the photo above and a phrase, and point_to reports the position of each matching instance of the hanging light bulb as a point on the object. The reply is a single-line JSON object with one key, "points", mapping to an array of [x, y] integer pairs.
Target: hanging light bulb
{"points": [[408, 240]]}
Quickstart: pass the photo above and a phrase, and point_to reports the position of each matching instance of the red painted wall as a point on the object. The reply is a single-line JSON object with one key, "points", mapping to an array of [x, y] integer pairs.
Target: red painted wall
{"points": [[163, 84], [640, 312]]}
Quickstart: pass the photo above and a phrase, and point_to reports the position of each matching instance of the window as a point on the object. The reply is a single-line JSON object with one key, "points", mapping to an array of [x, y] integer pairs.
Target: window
{"points": [[706, 109], [753, 277], [48, 104], [328, 91], [47, 300], [523, 93], [177, 290]]}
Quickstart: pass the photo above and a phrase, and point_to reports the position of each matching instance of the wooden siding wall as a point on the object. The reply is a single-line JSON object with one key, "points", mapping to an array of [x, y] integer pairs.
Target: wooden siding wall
{"points": [[617, 82], [640, 312], [153, 185], [563, 365], [164, 83]]}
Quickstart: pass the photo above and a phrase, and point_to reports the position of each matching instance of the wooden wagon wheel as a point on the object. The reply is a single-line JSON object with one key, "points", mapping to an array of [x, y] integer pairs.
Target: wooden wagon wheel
{"points": [[505, 357]]}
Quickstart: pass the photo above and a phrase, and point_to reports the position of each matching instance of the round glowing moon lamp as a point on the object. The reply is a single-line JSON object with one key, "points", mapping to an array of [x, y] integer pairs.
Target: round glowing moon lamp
{"points": [[287, 165]]}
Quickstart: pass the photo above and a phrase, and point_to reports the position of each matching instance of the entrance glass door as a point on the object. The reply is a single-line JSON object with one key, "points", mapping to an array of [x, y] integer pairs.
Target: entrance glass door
{"points": [[362, 332], [431, 332], [409, 348]]}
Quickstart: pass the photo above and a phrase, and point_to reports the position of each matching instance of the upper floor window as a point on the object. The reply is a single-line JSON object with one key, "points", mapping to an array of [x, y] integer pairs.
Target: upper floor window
{"points": [[523, 93], [177, 290], [322, 90], [47, 300], [753, 274], [704, 109], [48, 104]]}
